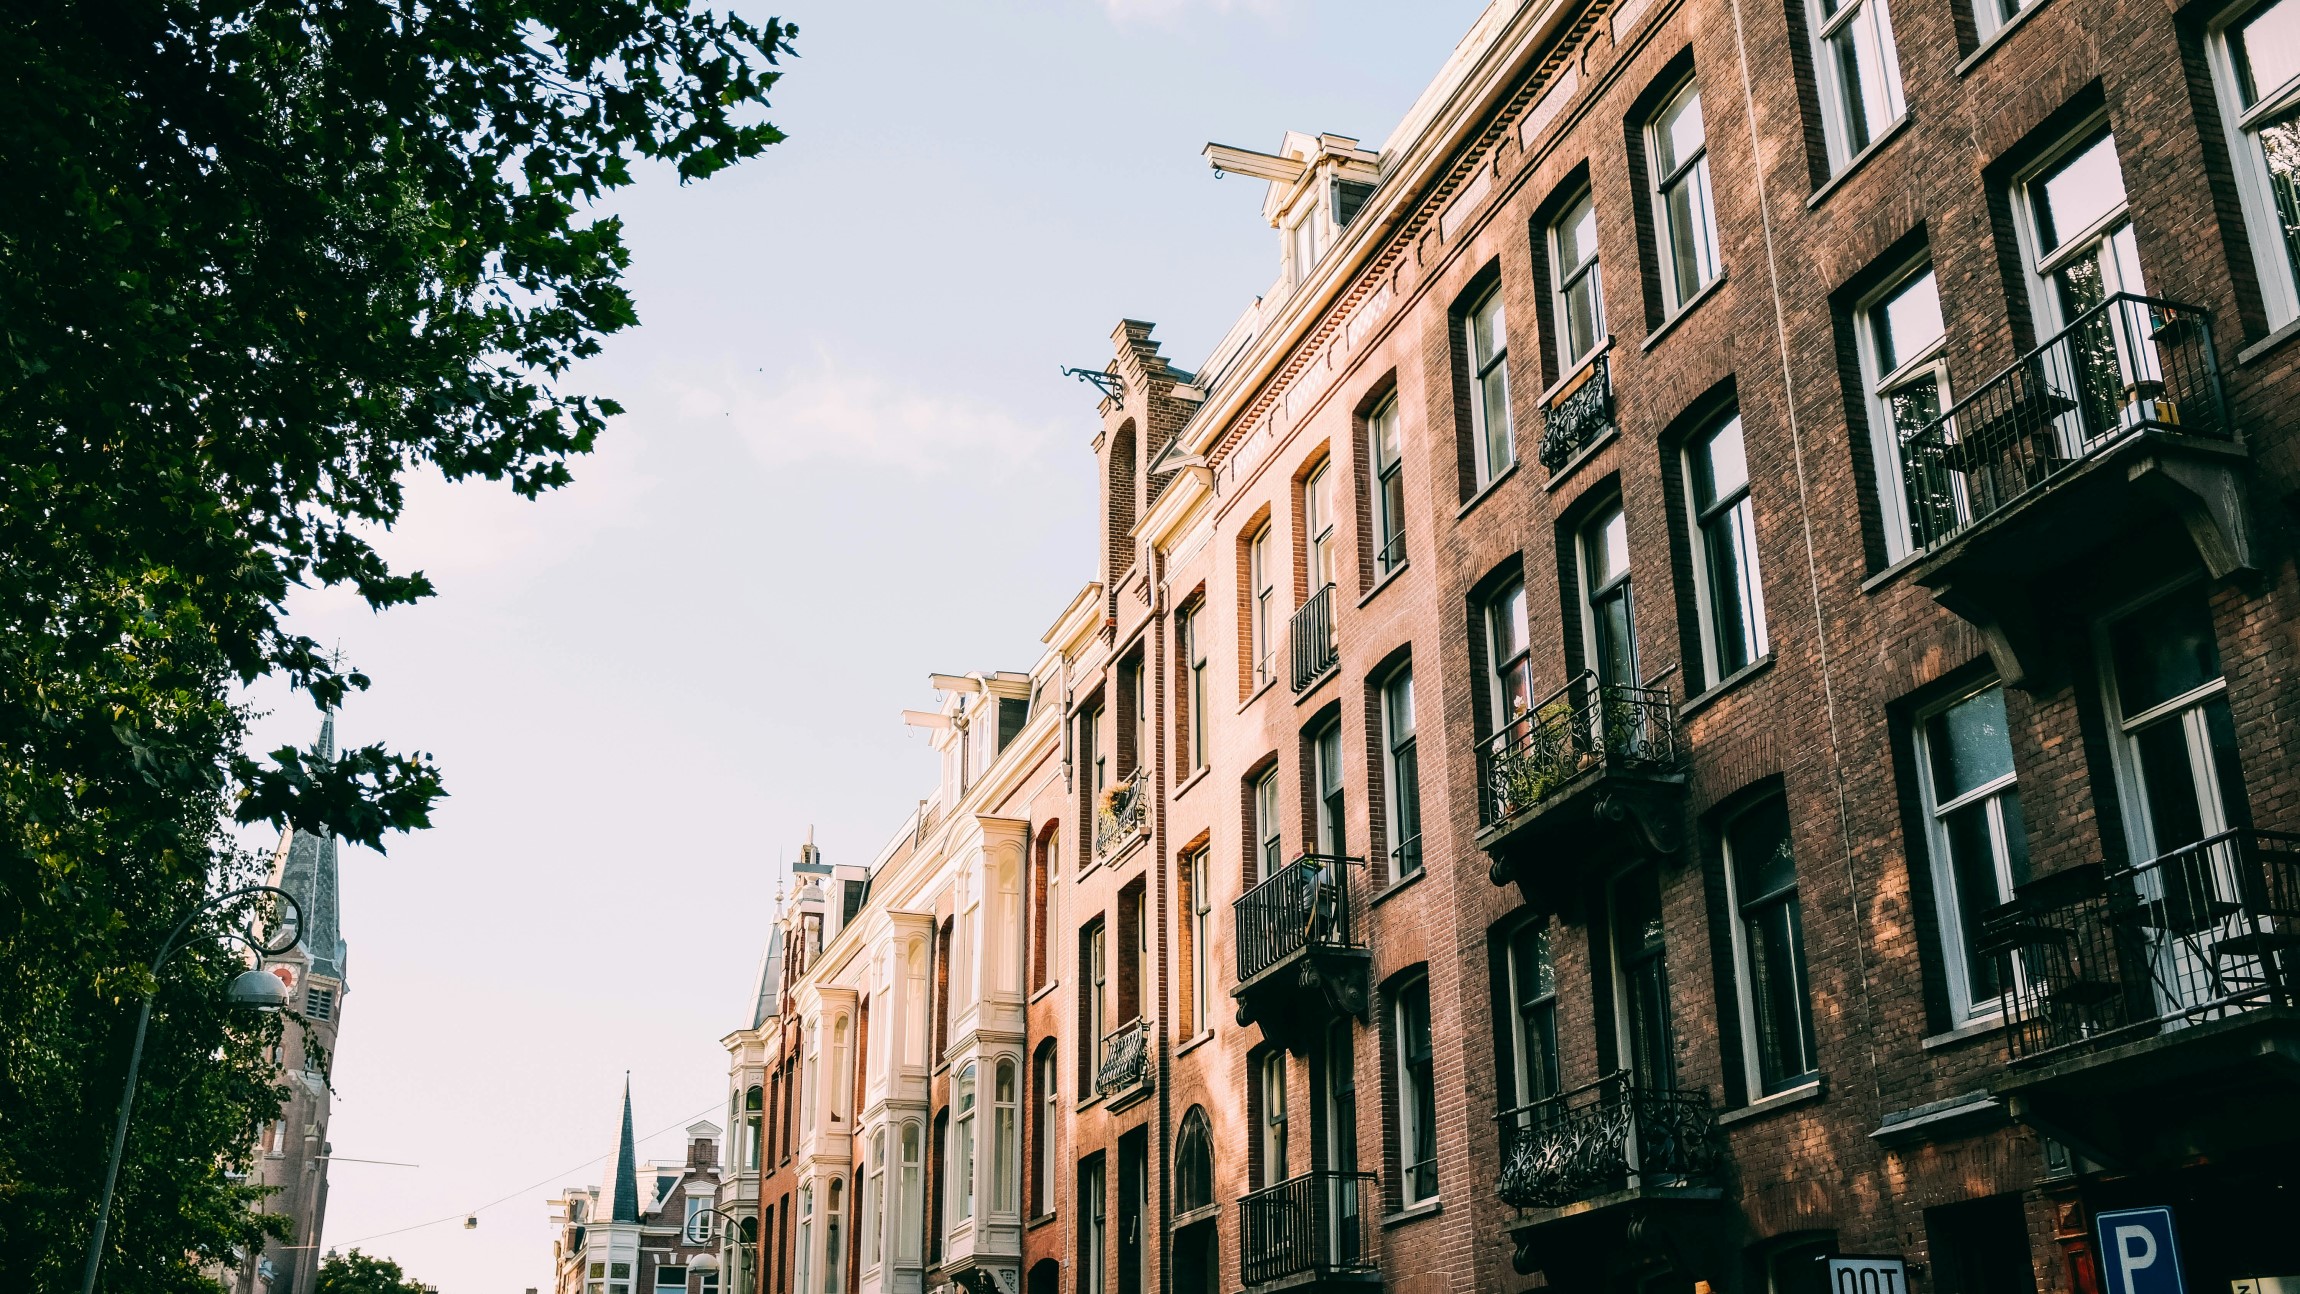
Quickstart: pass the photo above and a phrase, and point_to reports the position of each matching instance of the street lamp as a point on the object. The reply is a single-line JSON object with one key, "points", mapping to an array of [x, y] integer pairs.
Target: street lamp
{"points": [[251, 990], [745, 1231]]}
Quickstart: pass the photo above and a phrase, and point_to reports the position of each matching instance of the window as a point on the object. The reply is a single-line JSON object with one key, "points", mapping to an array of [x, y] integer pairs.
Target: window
{"points": [[1307, 238], [1093, 1236], [806, 1239], [1727, 593], [1326, 766], [1685, 212], [1387, 444], [670, 1278], [962, 1146], [1341, 1066], [1531, 987], [2255, 53], [1094, 1001], [1262, 641], [838, 1069], [1609, 622], [1318, 524], [1901, 343], [2175, 738], [1769, 934], [1417, 1094], [1991, 16], [754, 1103], [1194, 687], [914, 1007], [1492, 443], [1576, 287], [1194, 1163], [319, 1003], [913, 1194], [1049, 1110], [1858, 73], [1273, 1090], [1646, 1040], [1977, 841], [1269, 842], [698, 1220], [1198, 898], [2081, 246], [1005, 1132], [1401, 776], [1509, 650], [834, 1246], [874, 1199]]}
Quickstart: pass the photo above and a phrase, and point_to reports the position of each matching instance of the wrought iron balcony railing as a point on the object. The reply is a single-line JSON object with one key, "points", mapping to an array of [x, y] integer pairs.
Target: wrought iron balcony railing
{"points": [[2096, 955], [1609, 1136], [1312, 1224], [1122, 815], [1312, 635], [1578, 417], [1583, 725], [1124, 1059], [2127, 365], [1305, 904]]}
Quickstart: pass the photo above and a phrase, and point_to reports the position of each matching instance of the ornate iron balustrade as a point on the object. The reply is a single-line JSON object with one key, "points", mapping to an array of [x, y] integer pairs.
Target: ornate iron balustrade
{"points": [[2127, 365], [1315, 1223], [1125, 1059], [1305, 904], [2096, 955], [1123, 815], [1312, 636], [1608, 1136], [1583, 725], [1579, 418]]}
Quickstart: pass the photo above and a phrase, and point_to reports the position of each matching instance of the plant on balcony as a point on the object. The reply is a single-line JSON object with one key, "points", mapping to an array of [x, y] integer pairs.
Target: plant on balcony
{"points": [[1554, 747]]}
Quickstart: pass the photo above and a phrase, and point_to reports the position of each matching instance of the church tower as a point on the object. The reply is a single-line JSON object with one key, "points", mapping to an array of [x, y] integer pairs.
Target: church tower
{"points": [[292, 1153]]}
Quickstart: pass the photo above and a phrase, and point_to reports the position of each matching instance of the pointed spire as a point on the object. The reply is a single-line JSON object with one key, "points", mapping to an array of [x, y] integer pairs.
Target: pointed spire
{"points": [[305, 866], [624, 1178]]}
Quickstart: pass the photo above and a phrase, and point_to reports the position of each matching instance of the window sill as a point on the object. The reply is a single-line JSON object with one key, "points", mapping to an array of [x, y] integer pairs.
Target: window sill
{"points": [[1858, 160], [1202, 1037], [1483, 491], [1707, 291], [1039, 1221], [1049, 988], [1725, 684], [1394, 886], [1572, 375], [1997, 37], [1778, 1101], [1256, 694], [1191, 1217], [2268, 343], [1318, 684], [1384, 582], [1191, 781], [1891, 573], [1414, 1212], [1567, 469], [1980, 1027]]}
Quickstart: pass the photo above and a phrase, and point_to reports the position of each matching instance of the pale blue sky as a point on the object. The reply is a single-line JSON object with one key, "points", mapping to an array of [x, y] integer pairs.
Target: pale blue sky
{"points": [[848, 460]]}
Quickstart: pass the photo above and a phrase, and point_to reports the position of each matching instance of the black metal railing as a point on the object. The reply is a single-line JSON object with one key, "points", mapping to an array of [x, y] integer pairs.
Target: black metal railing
{"points": [[1125, 1059], [1312, 634], [1312, 1223], [1304, 904], [1607, 1136], [2096, 955], [1578, 418], [1121, 816], [2127, 365], [1392, 554], [1583, 725]]}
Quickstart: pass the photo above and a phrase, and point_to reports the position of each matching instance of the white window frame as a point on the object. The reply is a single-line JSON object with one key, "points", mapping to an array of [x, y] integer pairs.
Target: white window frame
{"points": [[1308, 226], [1396, 737], [1564, 278], [1389, 522], [2039, 266], [1269, 829], [1509, 599], [1836, 124], [1693, 172], [1271, 1074], [1048, 1169], [1963, 1007], [1411, 1153], [1318, 524], [1261, 643], [1989, 18], [1006, 1137], [1884, 436], [1585, 537], [1494, 370], [1744, 970], [1201, 942], [912, 1140], [1521, 1049], [1705, 596], [874, 1201], [1096, 1225], [1194, 662], [2273, 262], [834, 1235], [966, 1100]]}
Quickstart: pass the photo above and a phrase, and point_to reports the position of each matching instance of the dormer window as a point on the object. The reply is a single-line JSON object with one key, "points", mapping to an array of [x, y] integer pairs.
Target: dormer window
{"points": [[1308, 243]]}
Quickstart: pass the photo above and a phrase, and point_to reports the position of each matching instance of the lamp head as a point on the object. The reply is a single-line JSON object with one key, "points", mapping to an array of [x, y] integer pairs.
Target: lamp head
{"points": [[703, 1263], [256, 990]]}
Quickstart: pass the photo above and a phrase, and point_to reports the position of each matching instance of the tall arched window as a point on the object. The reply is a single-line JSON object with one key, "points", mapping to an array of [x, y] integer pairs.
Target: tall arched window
{"points": [[873, 1198], [1042, 1136], [837, 1075], [1004, 1153], [1194, 1163], [834, 1236], [1006, 921], [962, 1145], [1041, 879], [908, 1228]]}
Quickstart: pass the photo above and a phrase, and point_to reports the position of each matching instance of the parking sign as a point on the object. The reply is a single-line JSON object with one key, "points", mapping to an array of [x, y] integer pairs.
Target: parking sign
{"points": [[2137, 1252]]}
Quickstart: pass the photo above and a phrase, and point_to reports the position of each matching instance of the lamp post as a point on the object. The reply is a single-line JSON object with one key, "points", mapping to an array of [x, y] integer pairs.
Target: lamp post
{"points": [[251, 989], [745, 1231]]}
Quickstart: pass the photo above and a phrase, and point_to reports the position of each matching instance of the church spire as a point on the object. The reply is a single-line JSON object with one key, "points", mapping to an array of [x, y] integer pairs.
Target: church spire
{"points": [[623, 1178], [305, 866]]}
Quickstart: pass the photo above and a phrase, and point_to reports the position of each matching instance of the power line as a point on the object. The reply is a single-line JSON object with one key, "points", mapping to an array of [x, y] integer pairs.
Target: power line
{"points": [[504, 1199]]}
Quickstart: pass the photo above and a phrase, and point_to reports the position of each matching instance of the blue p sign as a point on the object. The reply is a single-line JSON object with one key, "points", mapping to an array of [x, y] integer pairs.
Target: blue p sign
{"points": [[2137, 1251]]}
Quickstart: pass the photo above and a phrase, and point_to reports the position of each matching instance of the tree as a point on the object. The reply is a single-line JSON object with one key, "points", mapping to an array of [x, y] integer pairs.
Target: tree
{"points": [[260, 261], [356, 1273]]}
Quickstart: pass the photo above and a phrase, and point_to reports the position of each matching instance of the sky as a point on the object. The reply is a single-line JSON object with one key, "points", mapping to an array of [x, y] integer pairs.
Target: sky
{"points": [[848, 460]]}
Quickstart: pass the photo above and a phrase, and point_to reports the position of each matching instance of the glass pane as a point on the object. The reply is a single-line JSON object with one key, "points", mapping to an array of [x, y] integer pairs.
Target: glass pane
{"points": [[1686, 205], [2168, 780], [1763, 864], [1399, 696], [1677, 135], [1720, 465], [1493, 392], [1860, 82], [1385, 424], [2165, 651], [1606, 542], [2227, 772], [1777, 992], [2267, 48], [1529, 956], [1580, 311], [1728, 541], [1973, 872], [1970, 744], [1576, 237], [1616, 638], [2078, 192], [1907, 322], [1509, 625], [1488, 335]]}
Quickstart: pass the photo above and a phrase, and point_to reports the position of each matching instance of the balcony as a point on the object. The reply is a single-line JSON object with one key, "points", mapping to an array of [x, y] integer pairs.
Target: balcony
{"points": [[1298, 947], [2114, 423], [1312, 636], [2154, 1010], [1590, 759], [1307, 1231], [1122, 817], [1122, 1068], [1583, 1166], [1578, 416]]}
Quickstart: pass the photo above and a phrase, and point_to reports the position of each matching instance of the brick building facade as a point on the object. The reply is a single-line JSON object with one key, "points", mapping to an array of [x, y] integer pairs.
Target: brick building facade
{"points": [[1703, 684]]}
